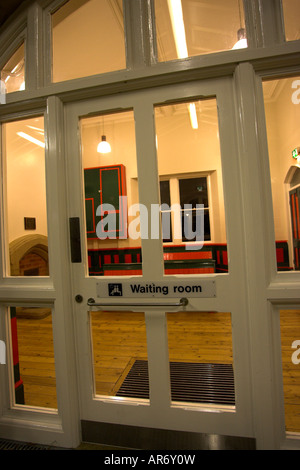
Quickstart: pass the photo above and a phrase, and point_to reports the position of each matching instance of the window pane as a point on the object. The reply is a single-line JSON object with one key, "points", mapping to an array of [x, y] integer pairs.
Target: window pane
{"points": [[193, 191], [282, 110], [201, 358], [33, 356], [25, 191], [165, 193], [165, 200], [112, 214], [186, 28], [191, 220], [13, 73], [87, 39], [291, 12], [120, 354], [189, 158], [290, 353]]}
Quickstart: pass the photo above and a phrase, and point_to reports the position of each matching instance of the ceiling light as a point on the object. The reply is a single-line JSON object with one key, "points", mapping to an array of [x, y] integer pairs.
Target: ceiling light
{"points": [[175, 9], [193, 115], [242, 39], [31, 139], [103, 146]]}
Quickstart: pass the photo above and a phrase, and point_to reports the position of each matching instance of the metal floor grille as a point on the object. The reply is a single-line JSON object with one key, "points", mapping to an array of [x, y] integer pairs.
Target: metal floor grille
{"points": [[190, 382], [6, 444]]}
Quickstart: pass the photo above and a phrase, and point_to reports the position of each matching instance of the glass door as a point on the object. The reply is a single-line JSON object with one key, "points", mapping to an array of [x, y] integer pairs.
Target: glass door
{"points": [[156, 243]]}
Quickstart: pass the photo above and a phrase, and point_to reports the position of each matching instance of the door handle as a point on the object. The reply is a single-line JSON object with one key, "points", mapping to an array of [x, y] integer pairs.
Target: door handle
{"points": [[182, 303], [74, 224]]}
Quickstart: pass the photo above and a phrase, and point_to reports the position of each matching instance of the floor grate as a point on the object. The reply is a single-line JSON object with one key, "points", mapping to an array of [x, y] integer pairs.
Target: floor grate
{"points": [[190, 382], [6, 444]]}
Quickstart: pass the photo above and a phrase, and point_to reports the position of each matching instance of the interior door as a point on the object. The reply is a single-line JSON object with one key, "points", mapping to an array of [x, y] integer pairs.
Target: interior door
{"points": [[159, 290]]}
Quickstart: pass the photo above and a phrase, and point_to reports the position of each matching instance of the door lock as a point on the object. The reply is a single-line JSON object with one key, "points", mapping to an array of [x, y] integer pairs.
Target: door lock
{"points": [[78, 298]]}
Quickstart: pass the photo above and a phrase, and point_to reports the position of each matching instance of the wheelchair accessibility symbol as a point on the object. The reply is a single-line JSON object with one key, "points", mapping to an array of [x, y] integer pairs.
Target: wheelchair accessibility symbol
{"points": [[115, 290]]}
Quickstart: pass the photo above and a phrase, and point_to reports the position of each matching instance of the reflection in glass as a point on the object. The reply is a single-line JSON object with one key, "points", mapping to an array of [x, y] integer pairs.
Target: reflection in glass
{"points": [[282, 111], [34, 377], [119, 354], [201, 359], [87, 39], [290, 354], [186, 28], [25, 197], [13, 73]]}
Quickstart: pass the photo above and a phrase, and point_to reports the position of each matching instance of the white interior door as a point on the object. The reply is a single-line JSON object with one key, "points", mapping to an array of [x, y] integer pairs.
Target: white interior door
{"points": [[183, 302]]}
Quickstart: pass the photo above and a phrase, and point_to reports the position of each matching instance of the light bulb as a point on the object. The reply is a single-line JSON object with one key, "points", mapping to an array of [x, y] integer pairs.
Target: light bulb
{"points": [[103, 146]]}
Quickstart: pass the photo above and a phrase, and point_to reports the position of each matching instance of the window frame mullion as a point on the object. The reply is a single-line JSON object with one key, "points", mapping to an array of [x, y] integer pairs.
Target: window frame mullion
{"points": [[139, 30]]}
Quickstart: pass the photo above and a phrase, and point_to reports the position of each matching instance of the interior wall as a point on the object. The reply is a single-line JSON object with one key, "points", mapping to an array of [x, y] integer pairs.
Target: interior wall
{"points": [[25, 181]]}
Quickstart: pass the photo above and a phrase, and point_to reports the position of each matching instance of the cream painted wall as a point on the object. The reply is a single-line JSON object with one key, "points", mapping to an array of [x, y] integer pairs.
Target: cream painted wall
{"points": [[88, 38], [25, 181]]}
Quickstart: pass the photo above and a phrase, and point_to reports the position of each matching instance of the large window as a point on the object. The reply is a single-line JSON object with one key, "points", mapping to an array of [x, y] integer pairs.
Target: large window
{"points": [[194, 205], [190, 196]]}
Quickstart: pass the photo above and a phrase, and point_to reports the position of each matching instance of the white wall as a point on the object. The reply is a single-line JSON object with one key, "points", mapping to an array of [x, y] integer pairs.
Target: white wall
{"points": [[25, 182]]}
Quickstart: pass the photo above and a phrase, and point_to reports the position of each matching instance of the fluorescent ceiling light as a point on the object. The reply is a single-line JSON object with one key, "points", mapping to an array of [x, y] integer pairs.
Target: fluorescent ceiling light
{"points": [[193, 115], [31, 139], [175, 9], [38, 129]]}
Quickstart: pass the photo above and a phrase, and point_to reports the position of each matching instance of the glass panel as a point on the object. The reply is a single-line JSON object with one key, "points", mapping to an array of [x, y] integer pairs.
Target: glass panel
{"points": [[165, 201], [25, 189], [189, 158], [87, 39], [33, 356], [290, 350], [282, 110], [201, 360], [111, 195], [193, 192], [186, 28], [120, 354], [13, 73], [291, 12]]}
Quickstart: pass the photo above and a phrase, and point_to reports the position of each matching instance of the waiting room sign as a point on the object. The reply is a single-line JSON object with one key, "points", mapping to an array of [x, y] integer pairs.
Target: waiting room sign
{"points": [[173, 289]]}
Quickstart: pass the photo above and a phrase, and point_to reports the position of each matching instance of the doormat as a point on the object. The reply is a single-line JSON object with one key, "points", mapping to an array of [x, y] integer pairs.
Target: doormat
{"points": [[190, 382]]}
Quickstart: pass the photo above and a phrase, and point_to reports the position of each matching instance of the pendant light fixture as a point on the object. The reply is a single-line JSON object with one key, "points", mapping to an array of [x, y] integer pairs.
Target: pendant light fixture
{"points": [[241, 34], [103, 146], [242, 39]]}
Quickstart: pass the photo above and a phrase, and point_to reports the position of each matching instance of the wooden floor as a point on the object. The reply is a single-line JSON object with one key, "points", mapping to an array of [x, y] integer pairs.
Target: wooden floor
{"points": [[120, 338], [290, 331]]}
